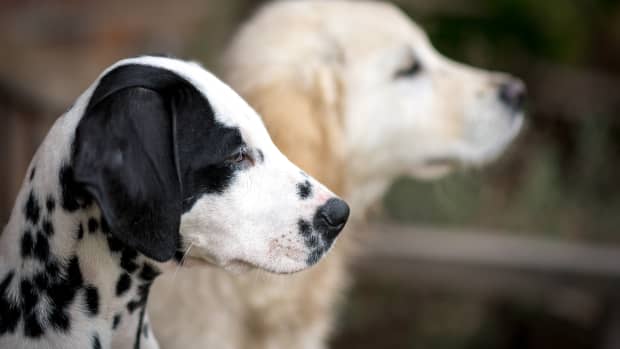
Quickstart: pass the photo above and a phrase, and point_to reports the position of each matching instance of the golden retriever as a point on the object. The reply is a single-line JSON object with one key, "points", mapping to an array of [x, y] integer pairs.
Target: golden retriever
{"points": [[356, 95]]}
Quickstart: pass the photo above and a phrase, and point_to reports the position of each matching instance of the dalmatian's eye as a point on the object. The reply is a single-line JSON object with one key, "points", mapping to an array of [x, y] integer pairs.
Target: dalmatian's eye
{"points": [[240, 156], [411, 69]]}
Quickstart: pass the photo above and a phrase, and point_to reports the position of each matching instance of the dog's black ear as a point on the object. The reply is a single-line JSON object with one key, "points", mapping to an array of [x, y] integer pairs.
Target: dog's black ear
{"points": [[124, 156]]}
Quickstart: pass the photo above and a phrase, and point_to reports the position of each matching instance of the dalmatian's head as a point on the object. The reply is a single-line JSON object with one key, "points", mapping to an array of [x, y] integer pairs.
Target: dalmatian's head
{"points": [[179, 163]]}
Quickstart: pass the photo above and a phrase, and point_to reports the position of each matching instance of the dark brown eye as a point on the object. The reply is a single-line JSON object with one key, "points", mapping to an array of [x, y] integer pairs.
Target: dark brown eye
{"points": [[411, 69], [239, 156]]}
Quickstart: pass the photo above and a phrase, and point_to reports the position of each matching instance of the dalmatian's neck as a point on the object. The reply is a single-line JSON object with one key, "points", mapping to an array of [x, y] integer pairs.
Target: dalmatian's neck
{"points": [[64, 280]]}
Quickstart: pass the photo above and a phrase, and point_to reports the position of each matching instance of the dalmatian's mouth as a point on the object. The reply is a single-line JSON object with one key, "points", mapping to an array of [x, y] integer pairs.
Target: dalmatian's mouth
{"points": [[235, 266]]}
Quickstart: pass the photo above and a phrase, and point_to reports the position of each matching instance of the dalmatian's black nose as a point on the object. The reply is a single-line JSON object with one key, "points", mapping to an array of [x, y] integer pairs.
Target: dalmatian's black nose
{"points": [[512, 92], [331, 217]]}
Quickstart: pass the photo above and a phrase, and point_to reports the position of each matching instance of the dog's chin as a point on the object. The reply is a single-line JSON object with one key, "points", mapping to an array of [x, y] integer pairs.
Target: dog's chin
{"points": [[238, 266], [282, 265], [437, 167], [434, 169], [234, 266]]}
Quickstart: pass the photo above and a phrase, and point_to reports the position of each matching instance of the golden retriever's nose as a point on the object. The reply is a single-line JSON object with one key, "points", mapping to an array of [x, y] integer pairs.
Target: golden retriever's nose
{"points": [[513, 94], [332, 216]]}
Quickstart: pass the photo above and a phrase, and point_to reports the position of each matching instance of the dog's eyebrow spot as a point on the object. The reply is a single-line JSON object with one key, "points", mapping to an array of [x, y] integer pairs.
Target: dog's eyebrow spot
{"points": [[261, 156], [304, 189]]}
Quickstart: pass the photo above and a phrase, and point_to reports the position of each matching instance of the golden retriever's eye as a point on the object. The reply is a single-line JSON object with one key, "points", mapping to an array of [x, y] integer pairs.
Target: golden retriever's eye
{"points": [[411, 69]]}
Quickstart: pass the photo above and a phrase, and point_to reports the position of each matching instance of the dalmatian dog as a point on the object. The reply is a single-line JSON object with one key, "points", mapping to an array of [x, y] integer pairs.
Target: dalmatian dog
{"points": [[156, 163]]}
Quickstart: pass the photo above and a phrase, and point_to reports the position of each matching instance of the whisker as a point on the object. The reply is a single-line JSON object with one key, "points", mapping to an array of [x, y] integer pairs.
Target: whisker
{"points": [[174, 276]]}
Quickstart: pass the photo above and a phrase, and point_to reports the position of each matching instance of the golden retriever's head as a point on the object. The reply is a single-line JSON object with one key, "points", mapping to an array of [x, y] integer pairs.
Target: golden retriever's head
{"points": [[358, 86]]}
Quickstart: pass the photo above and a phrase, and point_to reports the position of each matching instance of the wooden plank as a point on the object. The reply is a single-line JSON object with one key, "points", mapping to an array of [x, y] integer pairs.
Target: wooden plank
{"points": [[490, 250], [570, 279]]}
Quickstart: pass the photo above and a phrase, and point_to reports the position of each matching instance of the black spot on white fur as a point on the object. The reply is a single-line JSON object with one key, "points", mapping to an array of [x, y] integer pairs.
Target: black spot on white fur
{"points": [[29, 300], [96, 342], [128, 260], [29, 296], [91, 298], [32, 325], [10, 312], [314, 257], [304, 189], [59, 319], [305, 229], [116, 320], [74, 196], [62, 292], [42, 247], [48, 227], [27, 245], [123, 284], [50, 204], [148, 272], [32, 210], [140, 301]]}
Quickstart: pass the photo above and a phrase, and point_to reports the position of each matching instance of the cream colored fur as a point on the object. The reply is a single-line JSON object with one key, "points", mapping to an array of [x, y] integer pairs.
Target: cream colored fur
{"points": [[323, 74]]}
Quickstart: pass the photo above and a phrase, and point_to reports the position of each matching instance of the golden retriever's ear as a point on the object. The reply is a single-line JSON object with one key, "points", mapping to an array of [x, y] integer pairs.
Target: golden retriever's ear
{"points": [[304, 118]]}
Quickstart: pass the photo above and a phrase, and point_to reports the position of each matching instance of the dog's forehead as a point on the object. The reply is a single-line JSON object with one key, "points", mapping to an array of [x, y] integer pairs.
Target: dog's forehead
{"points": [[384, 25], [229, 109]]}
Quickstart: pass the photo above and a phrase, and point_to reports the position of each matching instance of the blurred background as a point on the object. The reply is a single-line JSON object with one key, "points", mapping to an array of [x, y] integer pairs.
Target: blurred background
{"points": [[520, 254]]}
